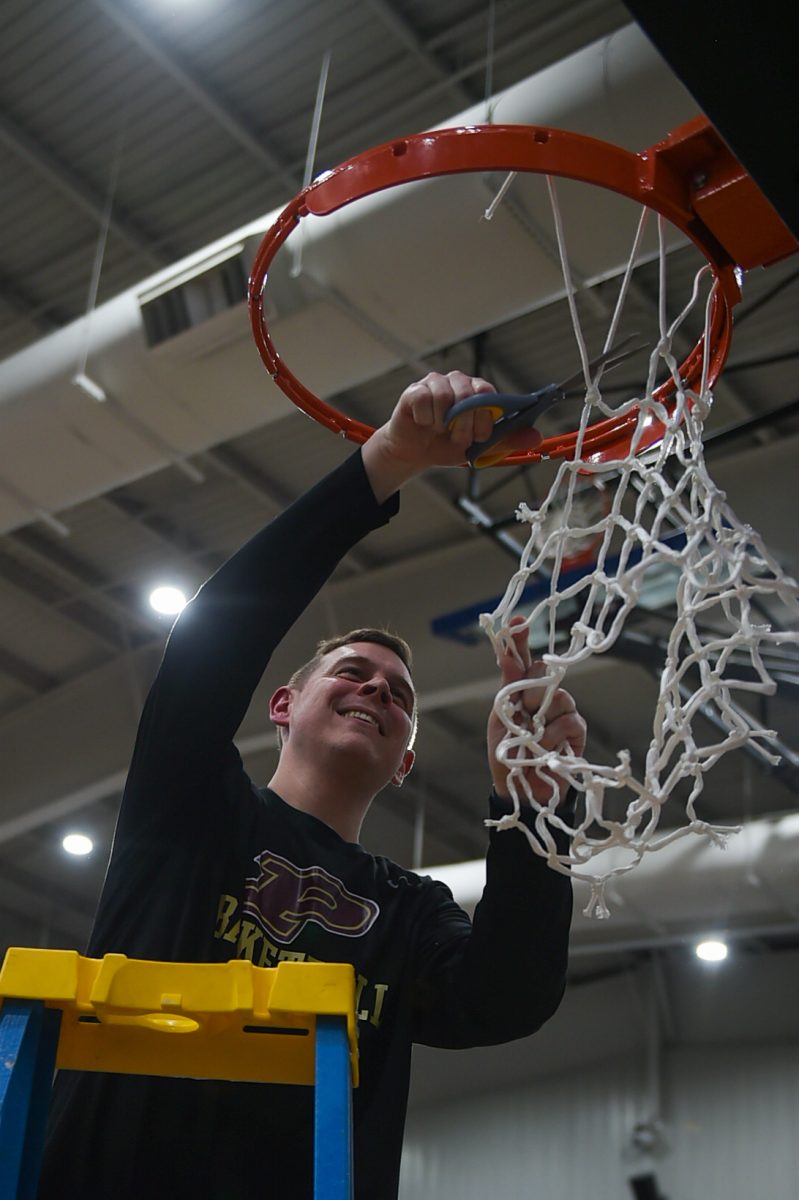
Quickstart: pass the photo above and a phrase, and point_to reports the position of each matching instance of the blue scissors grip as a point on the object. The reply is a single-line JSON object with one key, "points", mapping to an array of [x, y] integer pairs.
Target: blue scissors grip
{"points": [[505, 402], [520, 412]]}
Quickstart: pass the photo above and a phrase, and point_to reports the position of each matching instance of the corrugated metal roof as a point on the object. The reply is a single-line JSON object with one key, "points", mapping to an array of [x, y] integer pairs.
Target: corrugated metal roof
{"points": [[75, 81]]}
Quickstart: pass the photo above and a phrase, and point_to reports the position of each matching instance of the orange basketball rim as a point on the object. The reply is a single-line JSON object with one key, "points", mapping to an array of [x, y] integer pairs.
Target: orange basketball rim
{"points": [[691, 178]]}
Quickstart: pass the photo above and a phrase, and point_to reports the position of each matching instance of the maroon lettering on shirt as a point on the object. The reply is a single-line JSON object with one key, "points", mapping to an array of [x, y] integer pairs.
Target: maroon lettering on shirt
{"points": [[283, 898]]}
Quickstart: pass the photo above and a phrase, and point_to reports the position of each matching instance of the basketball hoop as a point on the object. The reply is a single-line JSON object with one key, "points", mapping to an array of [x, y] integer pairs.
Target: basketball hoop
{"points": [[631, 504], [663, 178]]}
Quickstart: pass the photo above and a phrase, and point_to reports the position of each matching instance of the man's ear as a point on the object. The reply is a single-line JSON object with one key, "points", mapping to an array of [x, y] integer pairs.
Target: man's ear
{"points": [[403, 769], [280, 706]]}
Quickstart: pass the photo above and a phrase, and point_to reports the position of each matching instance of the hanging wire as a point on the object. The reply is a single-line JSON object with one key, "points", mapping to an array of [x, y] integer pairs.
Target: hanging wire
{"points": [[317, 120], [99, 253], [310, 158], [495, 203], [489, 92], [81, 378], [489, 81]]}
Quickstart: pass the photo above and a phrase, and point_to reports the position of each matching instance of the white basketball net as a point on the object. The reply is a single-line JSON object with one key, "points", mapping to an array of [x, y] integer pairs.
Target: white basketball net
{"points": [[665, 509]]}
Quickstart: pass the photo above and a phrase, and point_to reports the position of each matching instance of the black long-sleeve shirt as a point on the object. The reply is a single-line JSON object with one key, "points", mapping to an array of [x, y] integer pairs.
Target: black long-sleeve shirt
{"points": [[205, 867]]}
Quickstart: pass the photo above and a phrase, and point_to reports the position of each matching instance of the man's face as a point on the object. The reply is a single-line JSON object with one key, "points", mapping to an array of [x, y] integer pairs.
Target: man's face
{"points": [[360, 703]]}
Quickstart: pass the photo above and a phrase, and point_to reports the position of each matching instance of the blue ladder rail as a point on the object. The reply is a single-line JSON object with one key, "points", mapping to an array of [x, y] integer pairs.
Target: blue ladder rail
{"points": [[28, 1044], [35, 1038]]}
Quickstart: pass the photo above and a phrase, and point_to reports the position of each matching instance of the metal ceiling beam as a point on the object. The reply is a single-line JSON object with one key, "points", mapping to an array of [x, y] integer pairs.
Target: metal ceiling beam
{"points": [[566, 19], [82, 194], [18, 302], [45, 591], [258, 484], [44, 814], [187, 79], [405, 353], [48, 314], [176, 540], [95, 587], [402, 29], [402, 111], [25, 673], [251, 479]]}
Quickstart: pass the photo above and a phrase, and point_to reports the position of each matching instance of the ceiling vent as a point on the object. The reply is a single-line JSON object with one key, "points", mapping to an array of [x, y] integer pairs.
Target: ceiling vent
{"points": [[191, 298]]}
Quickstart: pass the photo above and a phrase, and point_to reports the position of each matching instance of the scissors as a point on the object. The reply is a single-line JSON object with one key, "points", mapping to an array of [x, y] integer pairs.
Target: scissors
{"points": [[512, 412]]}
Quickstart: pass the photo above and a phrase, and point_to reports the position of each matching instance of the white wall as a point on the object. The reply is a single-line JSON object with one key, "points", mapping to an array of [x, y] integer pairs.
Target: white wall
{"points": [[729, 1088], [732, 1120]]}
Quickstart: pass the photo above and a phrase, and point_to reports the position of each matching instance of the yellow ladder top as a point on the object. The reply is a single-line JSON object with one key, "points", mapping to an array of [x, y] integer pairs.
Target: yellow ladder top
{"points": [[229, 1020]]}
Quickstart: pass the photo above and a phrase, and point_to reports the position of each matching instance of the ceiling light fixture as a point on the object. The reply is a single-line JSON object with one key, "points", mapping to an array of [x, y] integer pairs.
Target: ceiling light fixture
{"points": [[711, 950], [167, 600], [78, 844]]}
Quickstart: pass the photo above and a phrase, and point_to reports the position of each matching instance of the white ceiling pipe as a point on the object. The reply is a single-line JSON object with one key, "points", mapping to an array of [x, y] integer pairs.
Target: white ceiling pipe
{"points": [[690, 885], [61, 447]]}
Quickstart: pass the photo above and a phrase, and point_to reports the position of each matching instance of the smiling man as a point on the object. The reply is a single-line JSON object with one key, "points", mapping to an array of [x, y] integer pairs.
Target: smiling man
{"points": [[350, 721], [207, 867]]}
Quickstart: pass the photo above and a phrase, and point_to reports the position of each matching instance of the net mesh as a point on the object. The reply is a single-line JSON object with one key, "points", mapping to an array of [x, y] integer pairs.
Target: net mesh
{"points": [[662, 512]]}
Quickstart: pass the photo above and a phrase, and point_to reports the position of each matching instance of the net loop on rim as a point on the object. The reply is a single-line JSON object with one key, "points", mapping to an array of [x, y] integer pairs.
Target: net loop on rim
{"points": [[665, 517]]}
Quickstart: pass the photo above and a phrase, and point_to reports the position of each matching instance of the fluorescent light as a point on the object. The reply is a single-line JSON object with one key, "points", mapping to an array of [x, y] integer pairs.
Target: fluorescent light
{"points": [[77, 843], [711, 950], [167, 600], [89, 386]]}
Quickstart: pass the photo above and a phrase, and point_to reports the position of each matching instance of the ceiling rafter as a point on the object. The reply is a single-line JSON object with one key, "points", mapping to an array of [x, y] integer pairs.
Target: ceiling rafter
{"points": [[45, 591], [565, 17], [18, 301], [178, 540], [46, 163], [209, 99], [95, 587], [541, 32], [25, 673], [258, 484], [403, 30]]}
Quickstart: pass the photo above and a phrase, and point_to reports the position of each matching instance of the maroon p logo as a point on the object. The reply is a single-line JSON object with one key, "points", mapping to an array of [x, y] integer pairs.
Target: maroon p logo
{"points": [[283, 898]]}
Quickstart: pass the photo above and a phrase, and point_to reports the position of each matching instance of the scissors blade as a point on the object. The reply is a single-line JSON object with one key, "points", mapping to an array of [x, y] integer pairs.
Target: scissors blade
{"points": [[607, 360]]}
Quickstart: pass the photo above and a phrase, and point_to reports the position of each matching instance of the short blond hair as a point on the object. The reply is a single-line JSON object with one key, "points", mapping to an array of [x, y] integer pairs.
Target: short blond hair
{"points": [[380, 637]]}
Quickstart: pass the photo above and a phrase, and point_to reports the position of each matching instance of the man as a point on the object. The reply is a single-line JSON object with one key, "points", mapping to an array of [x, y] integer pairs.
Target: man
{"points": [[205, 867]]}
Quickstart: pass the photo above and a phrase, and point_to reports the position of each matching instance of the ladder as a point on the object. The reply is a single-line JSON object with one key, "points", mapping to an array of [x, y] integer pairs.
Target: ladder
{"points": [[194, 1020]]}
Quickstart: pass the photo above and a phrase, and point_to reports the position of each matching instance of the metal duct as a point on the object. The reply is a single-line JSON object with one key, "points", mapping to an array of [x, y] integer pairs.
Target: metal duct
{"points": [[688, 888]]}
